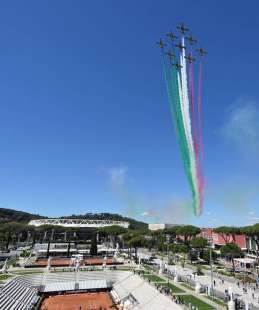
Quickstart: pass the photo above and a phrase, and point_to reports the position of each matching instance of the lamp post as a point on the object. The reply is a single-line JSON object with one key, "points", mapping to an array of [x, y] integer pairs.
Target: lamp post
{"points": [[167, 243], [211, 275]]}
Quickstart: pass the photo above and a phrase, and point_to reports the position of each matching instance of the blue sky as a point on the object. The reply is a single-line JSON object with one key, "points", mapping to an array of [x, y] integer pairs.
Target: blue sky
{"points": [[84, 119]]}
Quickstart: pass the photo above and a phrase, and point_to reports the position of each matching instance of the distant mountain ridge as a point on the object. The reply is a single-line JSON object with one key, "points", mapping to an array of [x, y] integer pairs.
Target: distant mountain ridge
{"points": [[10, 215]]}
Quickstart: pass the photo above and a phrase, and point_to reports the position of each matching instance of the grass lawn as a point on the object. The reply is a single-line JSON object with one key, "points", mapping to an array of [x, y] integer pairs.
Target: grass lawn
{"points": [[187, 286], [153, 278], [196, 302], [27, 272], [4, 277], [217, 301], [174, 288], [149, 268]]}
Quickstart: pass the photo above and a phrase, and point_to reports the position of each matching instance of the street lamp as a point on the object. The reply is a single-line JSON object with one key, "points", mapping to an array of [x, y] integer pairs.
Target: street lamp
{"points": [[167, 239], [211, 275]]}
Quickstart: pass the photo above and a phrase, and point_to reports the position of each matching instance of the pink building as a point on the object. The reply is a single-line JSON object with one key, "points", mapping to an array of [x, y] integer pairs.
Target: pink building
{"points": [[218, 240]]}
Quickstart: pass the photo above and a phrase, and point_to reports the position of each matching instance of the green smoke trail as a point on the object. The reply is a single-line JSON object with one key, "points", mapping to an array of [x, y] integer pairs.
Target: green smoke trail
{"points": [[174, 96], [184, 143]]}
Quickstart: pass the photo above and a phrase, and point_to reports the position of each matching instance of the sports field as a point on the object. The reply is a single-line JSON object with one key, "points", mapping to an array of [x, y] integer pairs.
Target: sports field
{"points": [[55, 262], [64, 262], [98, 261], [84, 301]]}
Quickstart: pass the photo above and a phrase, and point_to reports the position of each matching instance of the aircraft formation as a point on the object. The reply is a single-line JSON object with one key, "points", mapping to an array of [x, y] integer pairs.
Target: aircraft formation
{"points": [[172, 38], [178, 67]]}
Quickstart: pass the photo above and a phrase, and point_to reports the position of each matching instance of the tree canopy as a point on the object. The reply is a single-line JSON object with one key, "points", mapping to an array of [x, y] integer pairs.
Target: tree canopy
{"points": [[228, 233], [199, 243], [231, 251], [114, 230], [178, 248], [187, 232]]}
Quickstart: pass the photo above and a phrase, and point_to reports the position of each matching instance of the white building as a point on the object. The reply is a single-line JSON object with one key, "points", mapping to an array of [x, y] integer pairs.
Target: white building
{"points": [[160, 226]]}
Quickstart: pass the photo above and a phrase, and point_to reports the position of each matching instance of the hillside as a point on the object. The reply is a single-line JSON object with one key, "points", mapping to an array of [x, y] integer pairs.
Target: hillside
{"points": [[9, 215]]}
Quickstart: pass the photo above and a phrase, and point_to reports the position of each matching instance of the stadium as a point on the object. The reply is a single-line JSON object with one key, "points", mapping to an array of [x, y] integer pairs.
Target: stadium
{"points": [[86, 264], [78, 223], [76, 288], [106, 261], [109, 262]]}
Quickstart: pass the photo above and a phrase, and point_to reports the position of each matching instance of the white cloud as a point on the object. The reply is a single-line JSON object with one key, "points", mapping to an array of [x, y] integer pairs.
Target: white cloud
{"points": [[242, 125], [253, 220], [117, 176], [145, 213]]}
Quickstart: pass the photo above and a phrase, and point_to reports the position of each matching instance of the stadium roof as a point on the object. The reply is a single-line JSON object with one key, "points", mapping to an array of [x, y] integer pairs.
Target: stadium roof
{"points": [[72, 285], [79, 223]]}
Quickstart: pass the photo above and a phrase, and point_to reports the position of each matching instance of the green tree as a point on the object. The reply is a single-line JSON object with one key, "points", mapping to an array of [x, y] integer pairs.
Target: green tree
{"points": [[34, 232], [171, 232], [231, 251], [135, 243], [11, 232], [188, 232], [48, 232], [179, 248], [199, 243], [228, 233], [253, 232], [113, 232], [159, 239], [206, 255]]}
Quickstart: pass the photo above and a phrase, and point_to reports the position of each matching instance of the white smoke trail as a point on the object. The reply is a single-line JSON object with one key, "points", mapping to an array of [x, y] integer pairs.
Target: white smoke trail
{"points": [[188, 128]]}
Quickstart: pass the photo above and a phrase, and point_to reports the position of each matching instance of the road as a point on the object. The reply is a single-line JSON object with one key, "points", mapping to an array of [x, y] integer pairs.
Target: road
{"points": [[250, 295]]}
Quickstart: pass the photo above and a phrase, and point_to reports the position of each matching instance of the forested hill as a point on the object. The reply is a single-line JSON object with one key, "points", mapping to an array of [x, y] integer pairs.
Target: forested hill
{"points": [[9, 215]]}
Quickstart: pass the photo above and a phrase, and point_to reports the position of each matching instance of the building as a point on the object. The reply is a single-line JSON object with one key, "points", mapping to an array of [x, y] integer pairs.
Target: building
{"points": [[217, 240], [79, 223], [61, 249], [55, 249], [160, 226]]}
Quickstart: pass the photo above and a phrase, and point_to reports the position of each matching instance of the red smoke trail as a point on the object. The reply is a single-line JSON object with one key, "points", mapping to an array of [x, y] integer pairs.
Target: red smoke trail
{"points": [[195, 139], [199, 110], [201, 178], [196, 147]]}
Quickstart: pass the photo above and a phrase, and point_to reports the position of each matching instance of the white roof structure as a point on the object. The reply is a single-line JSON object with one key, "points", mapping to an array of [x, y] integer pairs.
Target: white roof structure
{"points": [[59, 286], [79, 223], [146, 296], [92, 284], [71, 285]]}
